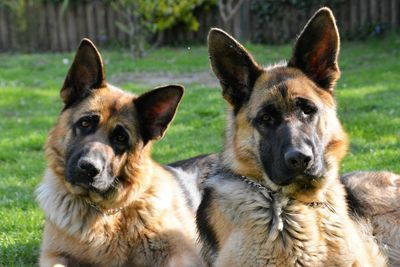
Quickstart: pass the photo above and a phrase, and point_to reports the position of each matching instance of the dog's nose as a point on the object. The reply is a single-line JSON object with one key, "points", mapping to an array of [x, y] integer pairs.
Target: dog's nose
{"points": [[297, 160], [90, 168]]}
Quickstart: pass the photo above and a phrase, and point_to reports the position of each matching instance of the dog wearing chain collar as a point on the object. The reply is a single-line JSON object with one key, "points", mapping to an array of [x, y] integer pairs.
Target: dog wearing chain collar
{"points": [[274, 197], [105, 201]]}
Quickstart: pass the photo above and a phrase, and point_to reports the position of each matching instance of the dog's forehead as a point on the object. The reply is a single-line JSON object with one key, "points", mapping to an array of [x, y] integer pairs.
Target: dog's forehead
{"points": [[281, 85], [110, 103]]}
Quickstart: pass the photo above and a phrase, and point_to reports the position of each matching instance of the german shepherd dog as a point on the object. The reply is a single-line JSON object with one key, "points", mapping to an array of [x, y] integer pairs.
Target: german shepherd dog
{"points": [[105, 201], [275, 198]]}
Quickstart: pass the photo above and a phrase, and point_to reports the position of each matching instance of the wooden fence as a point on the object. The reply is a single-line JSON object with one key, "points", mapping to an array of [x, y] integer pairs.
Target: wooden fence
{"points": [[356, 19], [49, 27]]}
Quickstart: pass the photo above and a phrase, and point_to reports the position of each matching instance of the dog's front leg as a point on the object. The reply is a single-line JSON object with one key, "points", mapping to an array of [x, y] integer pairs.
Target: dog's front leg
{"points": [[51, 259], [185, 259], [48, 259]]}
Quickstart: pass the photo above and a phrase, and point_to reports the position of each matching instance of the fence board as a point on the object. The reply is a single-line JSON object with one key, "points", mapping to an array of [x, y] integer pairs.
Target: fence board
{"points": [[52, 24], [90, 20], [13, 31], [374, 11], [100, 23], [73, 40], [385, 14], [62, 29], [111, 31], [364, 9], [3, 30], [395, 10], [354, 19], [82, 24], [42, 39]]}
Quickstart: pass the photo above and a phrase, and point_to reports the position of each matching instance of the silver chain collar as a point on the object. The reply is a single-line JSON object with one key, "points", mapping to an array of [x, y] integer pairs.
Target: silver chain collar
{"points": [[255, 184], [270, 192], [99, 209]]}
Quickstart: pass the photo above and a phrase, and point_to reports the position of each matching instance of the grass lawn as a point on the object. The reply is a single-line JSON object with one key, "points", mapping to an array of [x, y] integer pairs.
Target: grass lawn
{"points": [[368, 97]]}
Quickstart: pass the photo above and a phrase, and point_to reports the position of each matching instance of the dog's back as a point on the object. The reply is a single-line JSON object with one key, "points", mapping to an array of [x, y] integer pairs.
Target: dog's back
{"points": [[199, 167], [374, 198]]}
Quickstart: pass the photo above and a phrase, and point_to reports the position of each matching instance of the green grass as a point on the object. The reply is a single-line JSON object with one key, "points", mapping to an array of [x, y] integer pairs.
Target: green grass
{"points": [[368, 97]]}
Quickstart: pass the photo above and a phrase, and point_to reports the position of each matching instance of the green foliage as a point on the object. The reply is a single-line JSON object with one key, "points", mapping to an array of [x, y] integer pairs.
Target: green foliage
{"points": [[166, 13], [142, 19], [17, 9]]}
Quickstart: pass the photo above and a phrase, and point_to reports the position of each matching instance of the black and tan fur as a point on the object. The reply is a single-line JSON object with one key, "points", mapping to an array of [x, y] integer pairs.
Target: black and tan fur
{"points": [[375, 198], [105, 201], [283, 135]]}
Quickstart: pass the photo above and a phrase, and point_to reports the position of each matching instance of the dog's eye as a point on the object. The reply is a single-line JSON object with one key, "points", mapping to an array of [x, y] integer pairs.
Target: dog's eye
{"points": [[87, 124], [309, 110], [266, 118], [306, 106], [120, 136], [84, 123]]}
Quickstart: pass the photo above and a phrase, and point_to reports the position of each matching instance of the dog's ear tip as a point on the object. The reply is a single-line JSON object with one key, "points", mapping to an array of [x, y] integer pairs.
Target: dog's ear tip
{"points": [[177, 86], [216, 34], [215, 30], [86, 43], [179, 89], [325, 13], [174, 90]]}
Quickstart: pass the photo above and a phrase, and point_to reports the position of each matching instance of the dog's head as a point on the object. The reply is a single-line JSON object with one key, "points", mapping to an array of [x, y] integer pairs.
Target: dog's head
{"points": [[101, 142], [282, 126]]}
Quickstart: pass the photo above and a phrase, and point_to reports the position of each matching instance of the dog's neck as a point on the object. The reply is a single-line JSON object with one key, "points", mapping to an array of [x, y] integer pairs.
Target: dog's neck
{"points": [[103, 211], [56, 201], [267, 190], [313, 197]]}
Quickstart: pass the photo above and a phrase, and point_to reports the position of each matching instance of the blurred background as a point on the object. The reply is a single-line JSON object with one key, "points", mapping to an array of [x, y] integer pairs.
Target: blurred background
{"points": [[142, 25]]}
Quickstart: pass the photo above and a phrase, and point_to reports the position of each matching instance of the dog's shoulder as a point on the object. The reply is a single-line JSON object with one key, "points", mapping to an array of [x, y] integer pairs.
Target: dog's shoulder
{"points": [[236, 197], [229, 204]]}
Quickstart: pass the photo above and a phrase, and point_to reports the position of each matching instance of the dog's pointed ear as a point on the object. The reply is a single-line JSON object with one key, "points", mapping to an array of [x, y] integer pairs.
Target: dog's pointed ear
{"points": [[86, 73], [317, 48], [234, 67], [156, 109]]}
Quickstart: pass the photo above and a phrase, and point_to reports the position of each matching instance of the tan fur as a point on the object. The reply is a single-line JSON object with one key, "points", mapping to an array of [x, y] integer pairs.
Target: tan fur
{"points": [[305, 223], [155, 226]]}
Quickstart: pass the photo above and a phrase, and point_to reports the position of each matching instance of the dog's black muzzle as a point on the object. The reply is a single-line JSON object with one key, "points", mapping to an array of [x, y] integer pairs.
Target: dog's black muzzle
{"points": [[88, 167], [297, 163]]}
